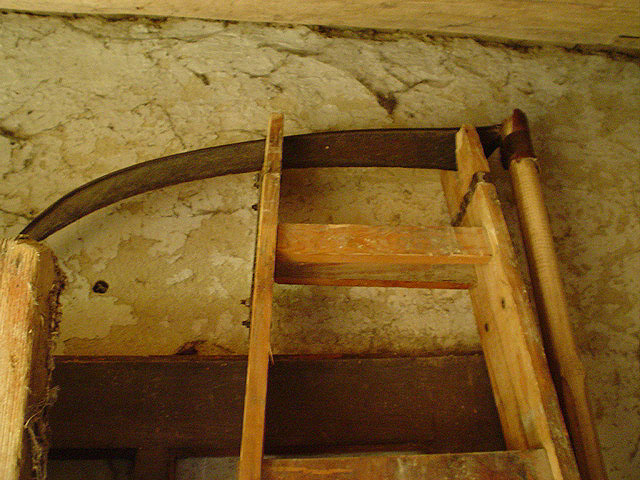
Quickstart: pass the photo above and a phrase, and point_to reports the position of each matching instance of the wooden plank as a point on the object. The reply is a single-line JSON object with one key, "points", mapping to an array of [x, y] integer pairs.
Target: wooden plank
{"points": [[365, 255], [525, 395], [261, 305], [377, 245], [512, 465], [315, 405], [353, 275], [611, 23], [501, 383], [29, 286]]}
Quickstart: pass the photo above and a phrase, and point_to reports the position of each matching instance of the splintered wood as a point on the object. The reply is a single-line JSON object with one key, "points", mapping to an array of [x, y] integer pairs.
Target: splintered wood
{"points": [[28, 294], [525, 396], [261, 303]]}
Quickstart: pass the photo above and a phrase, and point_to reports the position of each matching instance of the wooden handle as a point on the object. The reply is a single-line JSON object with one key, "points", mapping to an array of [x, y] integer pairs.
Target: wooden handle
{"points": [[566, 366]]}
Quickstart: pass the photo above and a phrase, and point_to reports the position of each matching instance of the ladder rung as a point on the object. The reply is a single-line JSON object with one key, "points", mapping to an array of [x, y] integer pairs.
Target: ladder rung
{"points": [[372, 256], [356, 275], [509, 465], [375, 245]]}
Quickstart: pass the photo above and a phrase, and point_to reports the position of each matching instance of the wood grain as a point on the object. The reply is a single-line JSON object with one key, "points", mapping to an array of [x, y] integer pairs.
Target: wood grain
{"points": [[376, 245], [365, 255], [28, 294], [614, 24], [513, 465], [261, 305], [525, 395], [554, 317], [314, 405], [453, 277]]}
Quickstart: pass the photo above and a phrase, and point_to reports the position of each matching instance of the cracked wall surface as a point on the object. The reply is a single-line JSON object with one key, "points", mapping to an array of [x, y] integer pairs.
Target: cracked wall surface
{"points": [[81, 97]]}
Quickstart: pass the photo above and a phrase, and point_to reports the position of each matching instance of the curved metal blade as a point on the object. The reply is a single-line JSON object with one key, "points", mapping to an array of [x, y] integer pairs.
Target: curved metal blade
{"points": [[408, 148]]}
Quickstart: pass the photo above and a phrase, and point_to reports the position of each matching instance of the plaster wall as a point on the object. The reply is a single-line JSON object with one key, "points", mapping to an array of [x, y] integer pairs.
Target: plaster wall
{"points": [[80, 97]]}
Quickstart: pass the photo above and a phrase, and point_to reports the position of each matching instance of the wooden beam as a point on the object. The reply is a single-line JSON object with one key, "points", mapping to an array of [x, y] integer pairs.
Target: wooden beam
{"points": [[614, 24], [314, 405], [261, 305], [525, 395], [376, 245], [365, 255], [29, 286], [354, 275], [512, 465]]}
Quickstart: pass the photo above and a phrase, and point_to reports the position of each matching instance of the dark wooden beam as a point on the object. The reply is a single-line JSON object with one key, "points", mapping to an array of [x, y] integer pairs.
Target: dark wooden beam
{"points": [[314, 405]]}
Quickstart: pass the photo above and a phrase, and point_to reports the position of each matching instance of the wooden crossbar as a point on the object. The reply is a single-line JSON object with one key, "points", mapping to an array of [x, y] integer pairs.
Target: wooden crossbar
{"points": [[366, 255], [368, 244], [512, 465]]}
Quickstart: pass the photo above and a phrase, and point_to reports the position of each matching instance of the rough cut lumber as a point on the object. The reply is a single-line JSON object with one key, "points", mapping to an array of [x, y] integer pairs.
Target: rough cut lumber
{"points": [[367, 244], [314, 405], [611, 23], [456, 277], [261, 305], [365, 255], [474, 160], [29, 286], [513, 465], [525, 395]]}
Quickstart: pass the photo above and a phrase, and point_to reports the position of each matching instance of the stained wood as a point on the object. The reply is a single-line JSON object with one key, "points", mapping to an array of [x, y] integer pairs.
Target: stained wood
{"points": [[554, 318], [315, 405], [28, 296], [377, 245], [525, 395], [261, 305], [370, 275], [513, 465], [612, 23]]}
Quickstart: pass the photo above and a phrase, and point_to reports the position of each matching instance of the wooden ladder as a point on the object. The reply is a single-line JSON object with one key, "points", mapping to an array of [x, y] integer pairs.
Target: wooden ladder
{"points": [[475, 253]]}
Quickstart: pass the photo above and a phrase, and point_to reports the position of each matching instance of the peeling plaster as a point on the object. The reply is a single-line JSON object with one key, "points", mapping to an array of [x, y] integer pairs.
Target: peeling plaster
{"points": [[80, 97]]}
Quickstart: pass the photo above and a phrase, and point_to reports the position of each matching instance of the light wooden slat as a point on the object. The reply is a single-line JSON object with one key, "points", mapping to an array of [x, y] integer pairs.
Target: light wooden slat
{"points": [[367, 244], [373, 256], [611, 23], [512, 465], [28, 294], [261, 303], [510, 336]]}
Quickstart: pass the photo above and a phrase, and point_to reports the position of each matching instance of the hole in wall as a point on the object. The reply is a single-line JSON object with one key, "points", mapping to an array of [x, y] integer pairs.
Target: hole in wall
{"points": [[100, 287]]}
